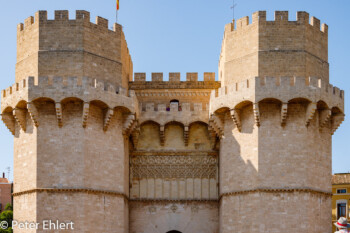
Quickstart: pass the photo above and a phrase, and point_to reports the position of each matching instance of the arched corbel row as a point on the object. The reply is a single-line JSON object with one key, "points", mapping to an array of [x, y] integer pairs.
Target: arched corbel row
{"points": [[33, 113], [235, 115], [86, 108], [284, 111], [336, 121], [107, 119], [58, 107], [162, 135], [9, 121], [325, 116], [310, 112], [186, 134], [256, 111], [20, 116]]}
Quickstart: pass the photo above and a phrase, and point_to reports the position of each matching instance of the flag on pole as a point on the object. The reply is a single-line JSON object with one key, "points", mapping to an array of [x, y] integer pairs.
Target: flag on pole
{"points": [[117, 9]]}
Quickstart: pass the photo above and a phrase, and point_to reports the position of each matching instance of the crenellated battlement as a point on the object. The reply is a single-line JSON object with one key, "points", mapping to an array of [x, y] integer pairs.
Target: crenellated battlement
{"points": [[49, 47], [175, 77], [62, 16], [174, 81], [281, 17], [185, 113], [277, 48], [281, 88], [274, 82], [58, 89], [174, 107]]}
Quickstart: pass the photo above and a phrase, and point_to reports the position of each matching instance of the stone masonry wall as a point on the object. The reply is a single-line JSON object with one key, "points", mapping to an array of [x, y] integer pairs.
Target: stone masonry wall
{"points": [[278, 158], [72, 48], [275, 212], [63, 154], [186, 217], [25, 209], [93, 212], [276, 48]]}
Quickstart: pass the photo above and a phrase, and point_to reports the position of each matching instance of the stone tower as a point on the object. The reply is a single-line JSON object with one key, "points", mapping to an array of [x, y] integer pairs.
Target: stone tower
{"points": [[249, 153], [70, 120], [275, 114]]}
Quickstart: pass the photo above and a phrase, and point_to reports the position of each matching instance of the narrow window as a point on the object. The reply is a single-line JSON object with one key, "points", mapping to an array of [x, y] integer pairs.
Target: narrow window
{"points": [[174, 101], [341, 210], [341, 190]]}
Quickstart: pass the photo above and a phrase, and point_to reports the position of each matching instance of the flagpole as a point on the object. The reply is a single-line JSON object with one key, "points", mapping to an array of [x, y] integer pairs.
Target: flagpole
{"points": [[116, 12], [233, 9]]}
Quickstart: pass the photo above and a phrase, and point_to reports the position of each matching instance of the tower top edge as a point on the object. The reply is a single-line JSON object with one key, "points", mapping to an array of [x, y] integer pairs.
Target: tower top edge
{"points": [[62, 16], [280, 18]]}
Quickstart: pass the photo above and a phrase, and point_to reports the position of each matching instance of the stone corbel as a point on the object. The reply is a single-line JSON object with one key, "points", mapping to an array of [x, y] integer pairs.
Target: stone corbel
{"points": [[212, 127], [216, 125], [256, 111], [129, 123], [58, 107], [9, 121], [325, 116], [86, 108], [336, 121], [162, 135], [310, 113], [284, 111], [212, 137], [107, 119], [186, 132], [20, 116], [135, 136], [235, 115], [33, 113]]}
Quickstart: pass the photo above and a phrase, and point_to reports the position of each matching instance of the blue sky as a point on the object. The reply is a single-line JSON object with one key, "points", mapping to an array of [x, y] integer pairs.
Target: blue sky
{"points": [[183, 36]]}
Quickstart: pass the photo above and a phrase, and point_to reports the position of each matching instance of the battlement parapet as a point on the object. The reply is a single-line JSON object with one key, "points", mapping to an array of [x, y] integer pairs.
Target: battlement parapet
{"points": [[58, 88], [175, 77], [281, 17], [49, 48], [62, 16], [275, 48], [174, 81], [284, 89], [173, 107], [185, 113]]}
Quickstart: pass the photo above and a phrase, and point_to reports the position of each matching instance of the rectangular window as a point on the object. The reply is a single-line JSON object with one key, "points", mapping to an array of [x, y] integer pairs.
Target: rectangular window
{"points": [[341, 190], [341, 210]]}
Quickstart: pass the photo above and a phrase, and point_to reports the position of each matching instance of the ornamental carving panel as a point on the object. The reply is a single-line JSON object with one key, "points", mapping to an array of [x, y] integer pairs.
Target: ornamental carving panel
{"points": [[174, 166]]}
